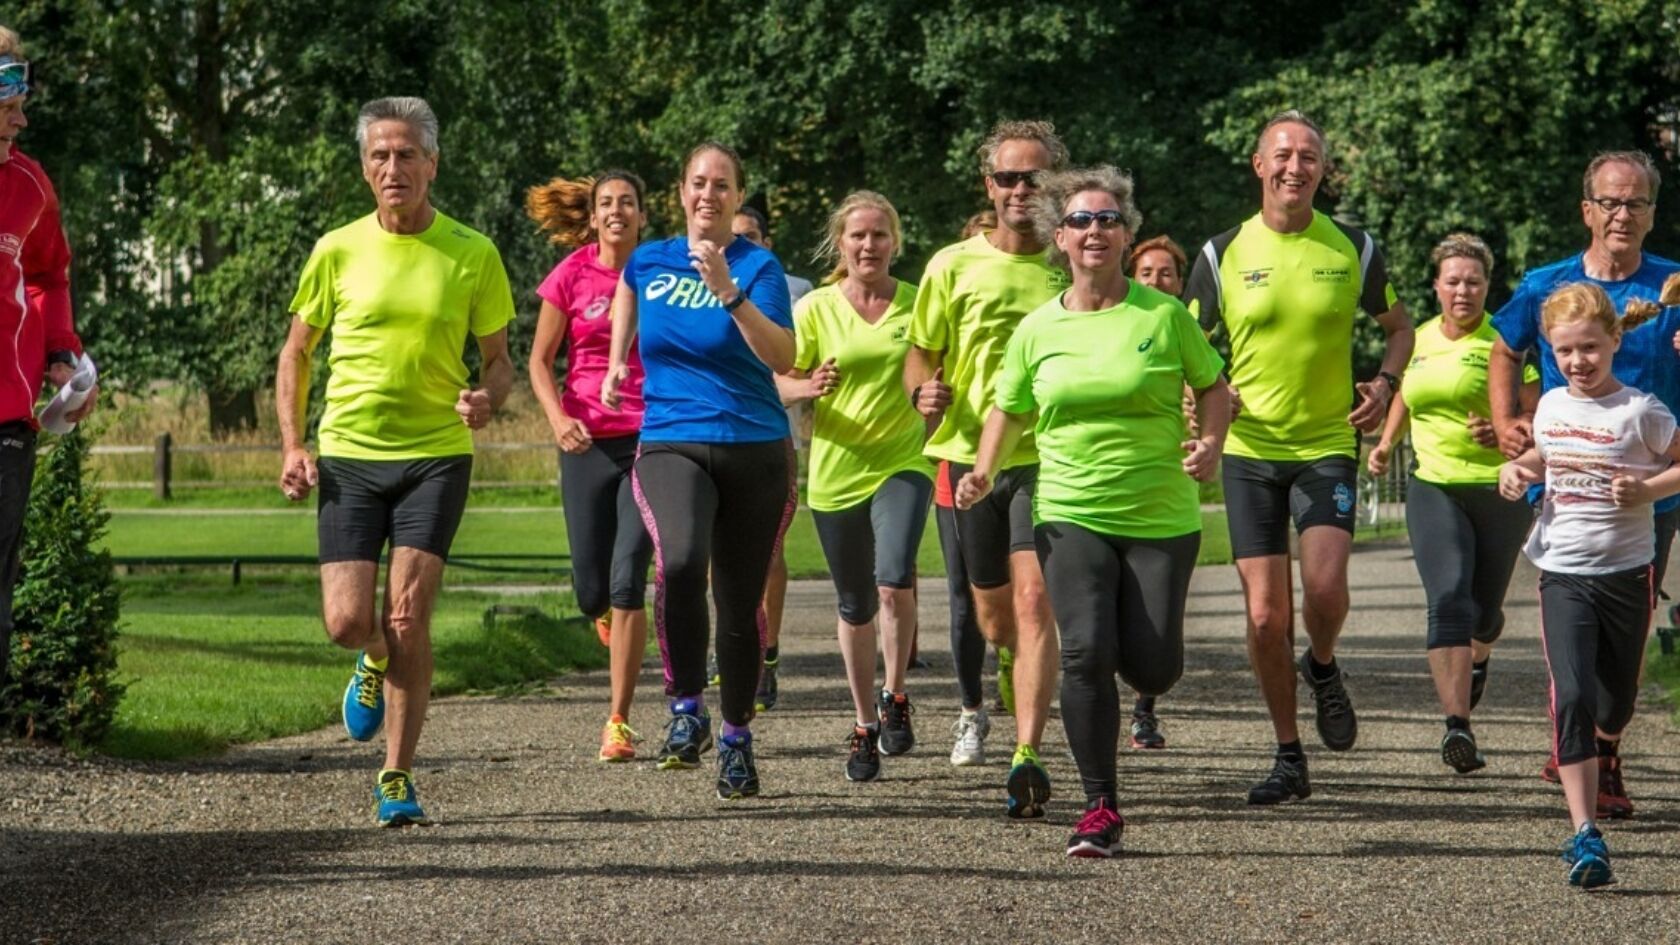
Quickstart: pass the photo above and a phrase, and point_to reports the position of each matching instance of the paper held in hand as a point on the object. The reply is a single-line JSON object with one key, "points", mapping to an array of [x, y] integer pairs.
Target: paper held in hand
{"points": [[69, 397]]}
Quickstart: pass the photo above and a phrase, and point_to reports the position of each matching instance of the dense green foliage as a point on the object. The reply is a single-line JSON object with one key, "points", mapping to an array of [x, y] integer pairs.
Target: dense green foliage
{"points": [[201, 146], [62, 684]]}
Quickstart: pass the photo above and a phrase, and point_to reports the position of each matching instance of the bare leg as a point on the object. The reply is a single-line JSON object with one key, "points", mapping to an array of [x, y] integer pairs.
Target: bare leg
{"points": [[775, 596], [994, 611], [898, 633], [857, 647], [347, 606], [1450, 665], [1324, 587], [410, 592], [1580, 788], [627, 647], [1269, 599], [1037, 653]]}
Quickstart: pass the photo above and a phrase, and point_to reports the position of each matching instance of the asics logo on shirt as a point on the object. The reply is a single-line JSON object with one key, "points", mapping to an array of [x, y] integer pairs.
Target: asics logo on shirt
{"points": [[1146, 343], [597, 308], [684, 291]]}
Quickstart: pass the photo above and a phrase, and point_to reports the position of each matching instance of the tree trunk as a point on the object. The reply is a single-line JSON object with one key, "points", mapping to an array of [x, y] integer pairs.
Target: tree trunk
{"points": [[232, 411]]}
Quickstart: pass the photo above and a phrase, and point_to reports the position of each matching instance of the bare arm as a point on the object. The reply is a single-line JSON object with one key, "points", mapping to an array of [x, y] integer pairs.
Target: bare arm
{"points": [[1213, 419], [1393, 429], [1397, 351], [291, 401], [618, 351], [569, 432], [1627, 490], [798, 386], [998, 438], [1512, 421]]}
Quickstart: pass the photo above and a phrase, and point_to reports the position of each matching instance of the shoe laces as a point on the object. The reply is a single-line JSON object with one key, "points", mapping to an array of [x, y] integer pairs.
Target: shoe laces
{"points": [[1332, 695], [859, 741], [1098, 820], [966, 729], [1283, 769], [734, 762], [896, 712], [395, 789], [620, 733], [368, 686], [682, 728], [1145, 723]]}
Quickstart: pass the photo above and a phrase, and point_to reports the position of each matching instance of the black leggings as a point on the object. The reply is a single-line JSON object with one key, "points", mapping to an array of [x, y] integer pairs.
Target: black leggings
{"points": [[1120, 605], [968, 645], [1594, 628], [610, 547], [17, 473], [712, 508], [874, 543], [1465, 542]]}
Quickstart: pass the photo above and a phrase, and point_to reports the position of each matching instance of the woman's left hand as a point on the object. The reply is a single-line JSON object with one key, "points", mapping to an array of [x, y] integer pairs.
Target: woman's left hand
{"points": [[1200, 459], [707, 260]]}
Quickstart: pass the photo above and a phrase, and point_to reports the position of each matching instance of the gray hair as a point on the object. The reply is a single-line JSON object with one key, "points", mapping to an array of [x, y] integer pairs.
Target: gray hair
{"points": [[1041, 131], [405, 108], [1292, 116], [1049, 205], [1637, 159]]}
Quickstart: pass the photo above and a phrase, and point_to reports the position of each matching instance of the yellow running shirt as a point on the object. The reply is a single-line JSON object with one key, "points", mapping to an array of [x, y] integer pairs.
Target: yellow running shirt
{"points": [[400, 309], [971, 298], [1288, 300], [1447, 381], [866, 431]]}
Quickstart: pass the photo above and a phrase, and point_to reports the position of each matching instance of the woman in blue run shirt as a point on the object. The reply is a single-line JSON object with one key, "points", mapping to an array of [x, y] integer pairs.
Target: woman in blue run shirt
{"points": [[711, 476]]}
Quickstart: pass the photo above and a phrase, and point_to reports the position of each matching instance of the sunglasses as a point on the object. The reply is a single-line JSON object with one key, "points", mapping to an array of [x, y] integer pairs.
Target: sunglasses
{"points": [[1082, 219], [14, 78], [1008, 180]]}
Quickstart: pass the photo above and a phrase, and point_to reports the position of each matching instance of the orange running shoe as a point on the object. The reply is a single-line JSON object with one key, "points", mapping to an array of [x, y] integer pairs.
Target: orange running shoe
{"points": [[618, 743], [603, 630]]}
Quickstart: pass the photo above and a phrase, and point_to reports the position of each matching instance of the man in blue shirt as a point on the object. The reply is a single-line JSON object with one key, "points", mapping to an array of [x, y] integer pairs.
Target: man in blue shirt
{"points": [[1618, 204]]}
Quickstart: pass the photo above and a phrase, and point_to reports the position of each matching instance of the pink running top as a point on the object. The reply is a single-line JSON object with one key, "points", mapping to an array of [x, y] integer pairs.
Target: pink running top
{"points": [[582, 289]]}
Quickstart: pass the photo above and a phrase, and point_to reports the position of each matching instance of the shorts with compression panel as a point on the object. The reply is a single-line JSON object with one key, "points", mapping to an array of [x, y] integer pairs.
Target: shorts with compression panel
{"points": [[1262, 496], [410, 503], [996, 526]]}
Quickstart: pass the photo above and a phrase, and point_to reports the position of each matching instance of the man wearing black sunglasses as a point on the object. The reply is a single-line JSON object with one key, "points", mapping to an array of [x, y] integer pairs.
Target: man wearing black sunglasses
{"points": [[971, 298], [34, 313], [1618, 206], [1288, 285]]}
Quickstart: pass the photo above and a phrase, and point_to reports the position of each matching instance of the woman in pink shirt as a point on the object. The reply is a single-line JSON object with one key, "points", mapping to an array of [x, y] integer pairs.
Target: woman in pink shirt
{"points": [[610, 548]]}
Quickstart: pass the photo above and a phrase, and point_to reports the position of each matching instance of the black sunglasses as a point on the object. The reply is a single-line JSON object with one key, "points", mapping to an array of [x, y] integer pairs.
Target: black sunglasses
{"points": [[1009, 179], [1082, 219]]}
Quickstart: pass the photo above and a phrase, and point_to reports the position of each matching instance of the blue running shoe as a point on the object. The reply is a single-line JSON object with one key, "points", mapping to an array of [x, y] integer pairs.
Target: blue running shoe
{"points": [[737, 774], [364, 701], [687, 735], [1588, 858], [399, 803]]}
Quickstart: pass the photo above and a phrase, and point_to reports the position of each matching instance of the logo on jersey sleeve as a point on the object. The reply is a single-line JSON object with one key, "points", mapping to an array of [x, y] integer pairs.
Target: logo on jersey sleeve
{"points": [[1256, 278]]}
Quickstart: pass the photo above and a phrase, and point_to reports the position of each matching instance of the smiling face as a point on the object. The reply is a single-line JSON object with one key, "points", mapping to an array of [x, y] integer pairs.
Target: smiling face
{"points": [[1290, 164], [1622, 231], [617, 217], [1158, 269], [396, 167], [1093, 249], [1016, 157], [1584, 351], [711, 191], [1461, 286], [12, 122], [866, 243]]}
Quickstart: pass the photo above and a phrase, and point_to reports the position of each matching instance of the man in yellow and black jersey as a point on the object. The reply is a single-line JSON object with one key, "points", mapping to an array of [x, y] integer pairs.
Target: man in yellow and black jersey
{"points": [[1287, 285]]}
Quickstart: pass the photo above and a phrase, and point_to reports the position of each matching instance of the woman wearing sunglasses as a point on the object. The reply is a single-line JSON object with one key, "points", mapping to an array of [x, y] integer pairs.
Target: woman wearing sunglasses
{"points": [[1097, 373]]}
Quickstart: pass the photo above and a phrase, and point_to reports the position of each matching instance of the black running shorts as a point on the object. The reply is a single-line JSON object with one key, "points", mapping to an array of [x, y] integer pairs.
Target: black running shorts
{"points": [[412, 503], [1261, 496]]}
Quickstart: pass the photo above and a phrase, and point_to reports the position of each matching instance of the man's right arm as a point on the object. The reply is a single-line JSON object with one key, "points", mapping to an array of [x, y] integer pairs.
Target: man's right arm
{"points": [[291, 400]]}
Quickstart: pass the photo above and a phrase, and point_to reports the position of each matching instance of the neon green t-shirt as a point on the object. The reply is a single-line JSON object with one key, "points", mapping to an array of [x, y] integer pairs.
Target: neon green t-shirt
{"points": [[1107, 388], [400, 309], [1288, 302], [866, 430], [1447, 381], [971, 298]]}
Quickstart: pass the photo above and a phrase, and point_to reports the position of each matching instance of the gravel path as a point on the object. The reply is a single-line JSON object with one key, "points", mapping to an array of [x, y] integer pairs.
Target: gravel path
{"points": [[538, 843]]}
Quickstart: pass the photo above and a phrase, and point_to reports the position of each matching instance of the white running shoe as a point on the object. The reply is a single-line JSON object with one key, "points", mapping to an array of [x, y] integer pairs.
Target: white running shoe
{"points": [[970, 730]]}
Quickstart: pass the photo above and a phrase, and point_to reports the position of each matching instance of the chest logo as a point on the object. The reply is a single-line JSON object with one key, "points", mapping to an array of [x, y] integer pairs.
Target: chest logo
{"points": [[1256, 278], [1331, 275], [1147, 342], [597, 308], [10, 245]]}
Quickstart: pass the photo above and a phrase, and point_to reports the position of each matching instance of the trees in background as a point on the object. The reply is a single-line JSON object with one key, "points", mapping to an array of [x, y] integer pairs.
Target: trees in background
{"points": [[201, 146]]}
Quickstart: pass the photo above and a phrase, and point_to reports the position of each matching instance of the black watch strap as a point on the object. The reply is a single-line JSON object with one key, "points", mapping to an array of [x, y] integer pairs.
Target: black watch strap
{"points": [[62, 356], [1393, 382]]}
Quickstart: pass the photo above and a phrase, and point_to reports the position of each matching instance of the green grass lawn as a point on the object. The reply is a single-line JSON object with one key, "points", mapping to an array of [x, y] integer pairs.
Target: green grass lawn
{"points": [[1665, 669], [208, 665]]}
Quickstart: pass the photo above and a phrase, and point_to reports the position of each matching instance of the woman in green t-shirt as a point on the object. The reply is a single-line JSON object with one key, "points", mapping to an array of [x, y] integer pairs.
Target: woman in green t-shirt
{"points": [[869, 484], [1097, 373], [1465, 537]]}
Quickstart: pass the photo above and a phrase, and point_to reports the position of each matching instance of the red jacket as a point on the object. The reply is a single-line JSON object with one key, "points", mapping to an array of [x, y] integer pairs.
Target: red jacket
{"points": [[34, 285]]}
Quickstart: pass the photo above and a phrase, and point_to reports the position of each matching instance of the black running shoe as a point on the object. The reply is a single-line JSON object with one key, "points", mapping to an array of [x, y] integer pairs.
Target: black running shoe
{"points": [[864, 762], [897, 737], [1287, 782], [765, 699], [1099, 831], [687, 735], [1338, 727], [737, 775], [1458, 750], [1478, 681], [1146, 731]]}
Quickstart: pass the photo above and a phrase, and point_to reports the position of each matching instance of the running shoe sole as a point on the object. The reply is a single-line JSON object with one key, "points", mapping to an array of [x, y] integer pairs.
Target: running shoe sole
{"points": [[1590, 872], [1029, 790], [677, 763], [1461, 755], [404, 820], [1092, 849]]}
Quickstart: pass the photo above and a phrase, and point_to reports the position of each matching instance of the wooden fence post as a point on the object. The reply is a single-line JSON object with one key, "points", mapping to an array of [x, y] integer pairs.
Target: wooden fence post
{"points": [[160, 466]]}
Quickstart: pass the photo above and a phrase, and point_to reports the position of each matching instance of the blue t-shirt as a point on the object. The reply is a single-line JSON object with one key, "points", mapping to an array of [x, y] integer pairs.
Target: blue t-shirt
{"points": [[1646, 360], [703, 384]]}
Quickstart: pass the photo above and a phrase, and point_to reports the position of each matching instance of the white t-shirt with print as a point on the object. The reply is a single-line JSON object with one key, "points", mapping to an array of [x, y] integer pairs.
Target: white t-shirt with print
{"points": [[1585, 443]]}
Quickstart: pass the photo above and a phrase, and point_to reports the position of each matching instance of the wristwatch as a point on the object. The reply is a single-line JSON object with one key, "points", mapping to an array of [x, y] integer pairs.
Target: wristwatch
{"points": [[1393, 382], [735, 302]]}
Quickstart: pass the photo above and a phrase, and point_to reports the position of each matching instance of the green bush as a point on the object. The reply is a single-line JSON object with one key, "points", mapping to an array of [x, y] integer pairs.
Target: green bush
{"points": [[62, 681]]}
